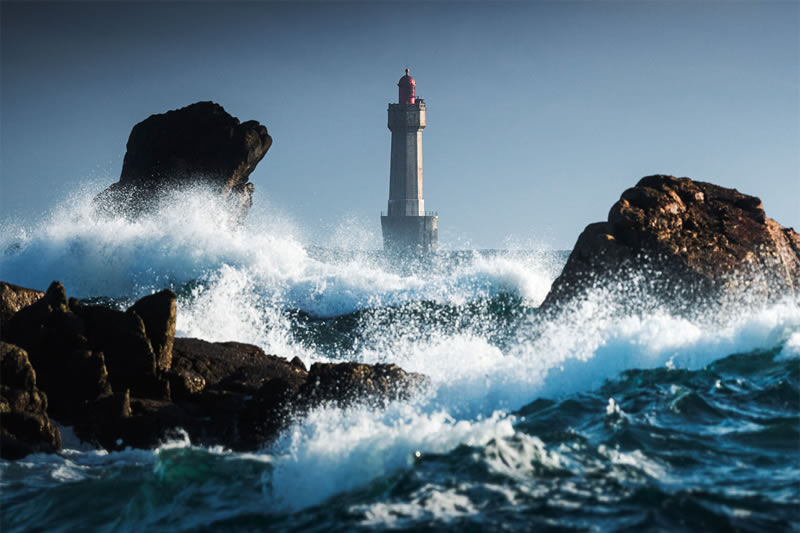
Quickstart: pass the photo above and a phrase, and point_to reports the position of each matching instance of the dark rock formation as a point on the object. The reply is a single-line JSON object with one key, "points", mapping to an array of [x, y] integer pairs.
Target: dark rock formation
{"points": [[24, 425], [236, 395], [69, 371], [158, 313], [200, 144], [129, 355], [681, 240], [121, 378], [344, 383], [12, 299]]}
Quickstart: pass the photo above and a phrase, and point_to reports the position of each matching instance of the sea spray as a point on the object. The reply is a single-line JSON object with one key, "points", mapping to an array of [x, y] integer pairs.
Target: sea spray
{"points": [[514, 430]]}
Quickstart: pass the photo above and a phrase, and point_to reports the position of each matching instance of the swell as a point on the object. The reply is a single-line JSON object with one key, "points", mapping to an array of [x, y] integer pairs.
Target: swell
{"points": [[652, 449], [517, 404]]}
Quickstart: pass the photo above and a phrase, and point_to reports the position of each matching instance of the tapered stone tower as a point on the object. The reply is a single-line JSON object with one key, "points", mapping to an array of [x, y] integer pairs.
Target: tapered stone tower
{"points": [[406, 226]]}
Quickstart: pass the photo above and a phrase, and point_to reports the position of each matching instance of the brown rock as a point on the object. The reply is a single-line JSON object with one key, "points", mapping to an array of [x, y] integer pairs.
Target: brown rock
{"points": [[158, 312], [12, 299], [69, 372], [680, 240], [346, 383], [233, 365], [122, 338], [24, 425]]}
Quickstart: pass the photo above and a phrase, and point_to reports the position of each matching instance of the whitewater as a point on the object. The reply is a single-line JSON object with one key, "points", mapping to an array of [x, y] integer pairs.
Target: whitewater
{"points": [[597, 419]]}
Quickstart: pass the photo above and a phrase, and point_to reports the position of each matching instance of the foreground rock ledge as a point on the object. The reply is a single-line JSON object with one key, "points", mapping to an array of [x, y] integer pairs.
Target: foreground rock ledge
{"points": [[197, 145], [121, 378], [674, 241]]}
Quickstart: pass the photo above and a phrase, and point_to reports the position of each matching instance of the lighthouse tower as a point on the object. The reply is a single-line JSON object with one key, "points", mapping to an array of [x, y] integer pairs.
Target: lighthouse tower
{"points": [[406, 226]]}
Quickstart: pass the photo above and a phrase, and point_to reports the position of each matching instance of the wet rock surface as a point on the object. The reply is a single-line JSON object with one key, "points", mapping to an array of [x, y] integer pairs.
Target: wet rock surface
{"points": [[197, 145], [121, 378], [24, 424], [680, 240], [12, 299], [349, 382]]}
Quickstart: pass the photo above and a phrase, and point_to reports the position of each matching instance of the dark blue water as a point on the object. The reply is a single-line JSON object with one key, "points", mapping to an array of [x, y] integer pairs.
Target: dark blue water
{"points": [[595, 420]]}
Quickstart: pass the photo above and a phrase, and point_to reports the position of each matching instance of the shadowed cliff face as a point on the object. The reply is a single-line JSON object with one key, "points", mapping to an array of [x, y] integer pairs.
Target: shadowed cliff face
{"points": [[679, 239], [198, 145]]}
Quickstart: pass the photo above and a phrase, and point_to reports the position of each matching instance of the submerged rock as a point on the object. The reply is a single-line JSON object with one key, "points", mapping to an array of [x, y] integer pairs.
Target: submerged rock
{"points": [[680, 240], [197, 145], [24, 425]]}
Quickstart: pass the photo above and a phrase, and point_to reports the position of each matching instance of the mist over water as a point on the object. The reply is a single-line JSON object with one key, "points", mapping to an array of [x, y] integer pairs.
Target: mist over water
{"points": [[476, 444]]}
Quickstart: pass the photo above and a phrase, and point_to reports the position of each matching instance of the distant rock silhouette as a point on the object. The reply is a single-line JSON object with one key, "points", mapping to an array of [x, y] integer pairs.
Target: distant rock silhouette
{"points": [[200, 144], [679, 239]]}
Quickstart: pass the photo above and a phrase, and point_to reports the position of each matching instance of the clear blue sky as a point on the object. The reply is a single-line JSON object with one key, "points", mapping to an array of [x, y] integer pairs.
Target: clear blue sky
{"points": [[539, 114]]}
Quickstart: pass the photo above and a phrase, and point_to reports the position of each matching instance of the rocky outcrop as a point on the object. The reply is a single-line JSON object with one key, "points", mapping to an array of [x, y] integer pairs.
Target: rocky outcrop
{"points": [[159, 313], [345, 383], [12, 299], [24, 425], [200, 144], [680, 240], [69, 369], [121, 378]]}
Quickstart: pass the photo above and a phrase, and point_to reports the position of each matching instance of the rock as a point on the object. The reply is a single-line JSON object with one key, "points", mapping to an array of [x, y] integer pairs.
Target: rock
{"points": [[184, 383], [24, 425], [129, 356], [121, 378], [200, 144], [346, 383], [682, 240], [12, 299], [233, 366], [54, 337], [158, 312], [223, 393]]}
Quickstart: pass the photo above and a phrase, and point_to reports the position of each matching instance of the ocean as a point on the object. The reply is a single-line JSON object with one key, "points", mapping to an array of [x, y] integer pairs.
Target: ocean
{"points": [[596, 419]]}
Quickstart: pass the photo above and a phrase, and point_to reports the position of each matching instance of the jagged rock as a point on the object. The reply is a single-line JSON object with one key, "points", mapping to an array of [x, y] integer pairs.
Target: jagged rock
{"points": [[158, 312], [233, 365], [129, 356], [122, 379], [12, 299], [345, 383], [223, 393], [184, 383], [680, 240], [69, 372], [200, 144], [24, 425]]}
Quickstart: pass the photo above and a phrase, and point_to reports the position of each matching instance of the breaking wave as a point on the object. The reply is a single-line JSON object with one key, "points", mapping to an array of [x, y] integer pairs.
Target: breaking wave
{"points": [[516, 402]]}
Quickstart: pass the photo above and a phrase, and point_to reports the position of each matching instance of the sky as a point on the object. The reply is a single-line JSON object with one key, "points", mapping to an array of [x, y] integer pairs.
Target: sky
{"points": [[539, 114]]}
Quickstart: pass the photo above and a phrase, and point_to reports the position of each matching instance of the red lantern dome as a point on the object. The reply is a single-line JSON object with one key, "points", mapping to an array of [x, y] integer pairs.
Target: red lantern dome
{"points": [[407, 88]]}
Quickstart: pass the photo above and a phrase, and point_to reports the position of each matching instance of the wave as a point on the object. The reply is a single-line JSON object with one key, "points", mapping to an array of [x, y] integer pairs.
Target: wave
{"points": [[192, 239], [467, 320]]}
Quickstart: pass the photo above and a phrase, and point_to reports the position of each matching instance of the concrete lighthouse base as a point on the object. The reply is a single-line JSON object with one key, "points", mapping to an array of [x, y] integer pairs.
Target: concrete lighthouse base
{"points": [[410, 233]]}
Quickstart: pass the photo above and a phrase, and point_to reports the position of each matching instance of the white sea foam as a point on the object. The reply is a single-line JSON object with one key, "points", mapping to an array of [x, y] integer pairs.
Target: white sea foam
{"points": [[245, 279], [791, 350], [335, 450], [192, 239]]}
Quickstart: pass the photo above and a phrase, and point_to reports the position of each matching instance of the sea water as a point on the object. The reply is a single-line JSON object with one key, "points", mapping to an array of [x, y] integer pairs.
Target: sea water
{"points": [[597, 419]]}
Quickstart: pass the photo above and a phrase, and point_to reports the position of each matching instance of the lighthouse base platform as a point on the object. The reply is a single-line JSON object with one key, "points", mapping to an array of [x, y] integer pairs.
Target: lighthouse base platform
{"points": [[410, 234]]}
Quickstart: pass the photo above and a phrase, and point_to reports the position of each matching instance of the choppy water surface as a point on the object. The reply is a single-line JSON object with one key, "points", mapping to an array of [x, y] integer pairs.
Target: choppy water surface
{"points": [[595, 420]]}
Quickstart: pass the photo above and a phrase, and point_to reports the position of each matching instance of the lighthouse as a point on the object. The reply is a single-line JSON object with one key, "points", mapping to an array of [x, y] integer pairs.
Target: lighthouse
{"points": [[406, 226]]}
